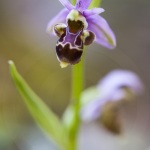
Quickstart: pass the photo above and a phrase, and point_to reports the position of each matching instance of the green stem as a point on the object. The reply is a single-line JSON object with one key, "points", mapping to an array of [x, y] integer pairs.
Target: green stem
{"points": [[95, 3], [77, 81], [73, 2], [77, 87]]}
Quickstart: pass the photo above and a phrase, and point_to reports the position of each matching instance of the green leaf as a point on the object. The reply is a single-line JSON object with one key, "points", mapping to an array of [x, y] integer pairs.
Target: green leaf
{"points": [[44, 117]]}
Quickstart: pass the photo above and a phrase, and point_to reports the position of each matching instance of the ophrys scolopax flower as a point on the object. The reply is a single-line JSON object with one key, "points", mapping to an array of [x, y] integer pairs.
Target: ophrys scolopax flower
{"points": [[77, 26]]}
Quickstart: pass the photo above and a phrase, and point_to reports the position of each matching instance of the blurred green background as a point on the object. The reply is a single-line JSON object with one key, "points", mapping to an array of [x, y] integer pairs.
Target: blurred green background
{"points": [[23, 39]]}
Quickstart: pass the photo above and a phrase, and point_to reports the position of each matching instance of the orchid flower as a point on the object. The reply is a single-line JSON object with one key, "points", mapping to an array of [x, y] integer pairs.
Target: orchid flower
{"points": [[77, 26], [116, 86]]}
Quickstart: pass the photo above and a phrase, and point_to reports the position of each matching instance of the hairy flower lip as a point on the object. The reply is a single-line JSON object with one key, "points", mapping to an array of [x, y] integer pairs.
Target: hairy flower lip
{"points": [[68, 56]]}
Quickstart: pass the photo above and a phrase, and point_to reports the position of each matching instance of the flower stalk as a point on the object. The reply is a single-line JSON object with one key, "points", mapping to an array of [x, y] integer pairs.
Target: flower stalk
{"points": [[77, 88]]}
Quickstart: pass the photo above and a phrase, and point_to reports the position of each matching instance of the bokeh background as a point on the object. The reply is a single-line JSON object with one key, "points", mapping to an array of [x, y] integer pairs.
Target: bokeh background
{"points": [[23, 39]]}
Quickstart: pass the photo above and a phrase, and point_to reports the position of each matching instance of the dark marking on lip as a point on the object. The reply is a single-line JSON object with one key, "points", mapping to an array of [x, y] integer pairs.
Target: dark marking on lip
{"points": [[67, 54]]}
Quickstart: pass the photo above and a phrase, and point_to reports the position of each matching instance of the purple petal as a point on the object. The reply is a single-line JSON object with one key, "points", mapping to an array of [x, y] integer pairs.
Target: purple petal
{"points": [[92, 110], [104, 34], [82, 4], [67, 4], [117, 79], [95, 11], [59, 18]]}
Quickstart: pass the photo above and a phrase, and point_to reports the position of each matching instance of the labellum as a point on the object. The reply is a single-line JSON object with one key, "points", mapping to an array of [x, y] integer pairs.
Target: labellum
{"points": [[72, 38]]}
